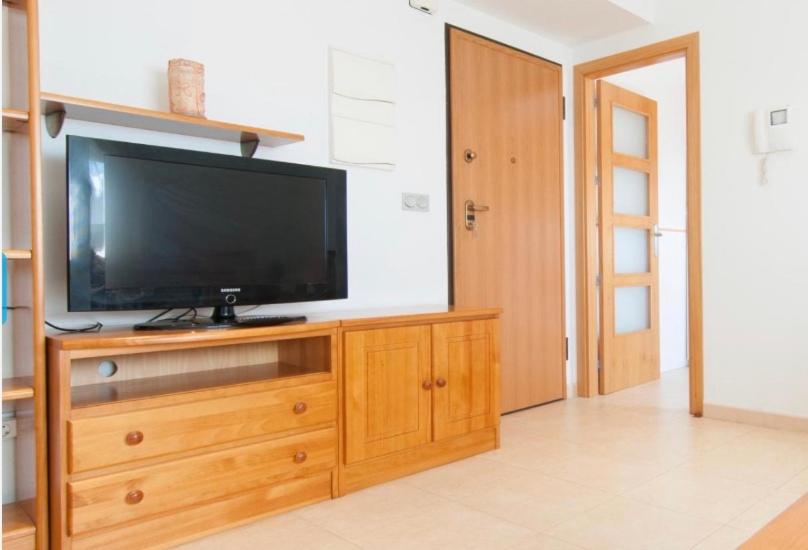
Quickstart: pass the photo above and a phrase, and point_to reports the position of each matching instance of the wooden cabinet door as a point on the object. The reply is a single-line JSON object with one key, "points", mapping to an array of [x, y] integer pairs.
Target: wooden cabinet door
{"points": [[465, 370], [387, 391]]}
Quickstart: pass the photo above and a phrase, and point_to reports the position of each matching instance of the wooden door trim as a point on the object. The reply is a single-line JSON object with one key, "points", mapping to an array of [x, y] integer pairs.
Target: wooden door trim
{"points": [[585, 76]]}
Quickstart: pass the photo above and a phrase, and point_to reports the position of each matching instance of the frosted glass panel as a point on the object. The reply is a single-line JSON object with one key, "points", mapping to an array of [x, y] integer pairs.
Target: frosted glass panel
{"points": [[630, 133], [630, 192], [632, 309], [630, 250]]}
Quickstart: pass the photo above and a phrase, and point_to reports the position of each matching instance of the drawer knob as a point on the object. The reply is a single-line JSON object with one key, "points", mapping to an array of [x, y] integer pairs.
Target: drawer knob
{"points": [[134, 438], [440, 382], [427, 385], [300, 407], [300, 457], [133, 497]]}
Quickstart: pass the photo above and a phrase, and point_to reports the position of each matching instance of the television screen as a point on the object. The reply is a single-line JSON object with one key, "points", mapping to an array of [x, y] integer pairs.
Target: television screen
{"points": [[152, 227]]}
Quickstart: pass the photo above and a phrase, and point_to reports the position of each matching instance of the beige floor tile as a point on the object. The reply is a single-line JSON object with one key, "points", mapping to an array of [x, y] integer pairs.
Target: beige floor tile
{"points": [[797, 484], [540, 541], [755, 460], [462, 478], [283, 531], [726, 538], [537, 453], [765, 510], [630, 524], [372, 508], [607, 473], [690, 491], [441, 527], [535, 501]]}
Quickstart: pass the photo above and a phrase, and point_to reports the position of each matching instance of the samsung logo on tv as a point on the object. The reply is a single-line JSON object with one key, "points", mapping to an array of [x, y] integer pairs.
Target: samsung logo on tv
{"points": [[230, 290]]}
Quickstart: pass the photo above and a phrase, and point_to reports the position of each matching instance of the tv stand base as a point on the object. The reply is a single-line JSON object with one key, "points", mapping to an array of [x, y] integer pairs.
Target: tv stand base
{"points": [[243, 321]]}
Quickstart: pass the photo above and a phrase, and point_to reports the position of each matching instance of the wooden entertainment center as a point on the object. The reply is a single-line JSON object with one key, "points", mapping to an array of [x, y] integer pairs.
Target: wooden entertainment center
{"points": [[195, 432]]}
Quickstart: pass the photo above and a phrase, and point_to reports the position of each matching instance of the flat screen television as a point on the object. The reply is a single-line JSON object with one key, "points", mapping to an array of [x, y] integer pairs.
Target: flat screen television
{"points": [[155, 228]]}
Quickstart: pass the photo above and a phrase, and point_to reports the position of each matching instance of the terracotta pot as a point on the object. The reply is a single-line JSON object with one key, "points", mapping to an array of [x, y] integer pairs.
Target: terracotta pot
{"points": [[186, 87]]}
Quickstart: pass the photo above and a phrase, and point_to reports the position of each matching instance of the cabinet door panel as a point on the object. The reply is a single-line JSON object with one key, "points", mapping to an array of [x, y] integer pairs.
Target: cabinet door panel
{"points": [[387, 408], [464, 359]]}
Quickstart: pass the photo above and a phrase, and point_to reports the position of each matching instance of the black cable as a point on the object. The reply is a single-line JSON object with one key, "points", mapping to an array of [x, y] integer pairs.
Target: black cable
{"points": [[159, 315], [184, 313], [92, 328]]}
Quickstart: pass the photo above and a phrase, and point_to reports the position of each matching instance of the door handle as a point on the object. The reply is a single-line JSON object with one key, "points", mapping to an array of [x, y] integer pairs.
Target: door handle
{"points": [[657, 235], [471, 210]]}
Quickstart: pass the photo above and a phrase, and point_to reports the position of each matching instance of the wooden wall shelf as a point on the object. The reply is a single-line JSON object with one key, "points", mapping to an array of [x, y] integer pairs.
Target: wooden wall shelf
{"points": [[21, 387], [17, 524], [57, 107], [17, 4], [15, 120], [17, 254]]}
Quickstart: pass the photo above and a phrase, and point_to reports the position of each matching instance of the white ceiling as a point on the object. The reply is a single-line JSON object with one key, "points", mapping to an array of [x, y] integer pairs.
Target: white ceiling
{"points": [[568, 21]]}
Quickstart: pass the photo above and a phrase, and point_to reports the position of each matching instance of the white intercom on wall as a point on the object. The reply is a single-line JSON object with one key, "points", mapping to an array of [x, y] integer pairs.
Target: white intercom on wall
{"points": [[774, 130]]}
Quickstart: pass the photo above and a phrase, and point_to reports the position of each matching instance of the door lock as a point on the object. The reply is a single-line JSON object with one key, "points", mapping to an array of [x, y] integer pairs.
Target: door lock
{"points": [[469, 155], [471, 210]]}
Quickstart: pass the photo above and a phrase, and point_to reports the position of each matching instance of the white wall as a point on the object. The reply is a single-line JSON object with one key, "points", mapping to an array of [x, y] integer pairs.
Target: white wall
{"points": [[665, 83], [267, 65], [753, 54]]}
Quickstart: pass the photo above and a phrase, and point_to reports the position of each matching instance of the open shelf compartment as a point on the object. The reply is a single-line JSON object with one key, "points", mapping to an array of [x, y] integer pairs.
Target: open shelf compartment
{"points": [[17, 524], [231, 366], [15, 120], [21, 387]]}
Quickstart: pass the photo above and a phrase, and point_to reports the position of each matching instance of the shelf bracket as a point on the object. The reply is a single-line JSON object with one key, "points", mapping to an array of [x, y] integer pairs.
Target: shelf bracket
{"points": [[249, 144], [55, 119]]}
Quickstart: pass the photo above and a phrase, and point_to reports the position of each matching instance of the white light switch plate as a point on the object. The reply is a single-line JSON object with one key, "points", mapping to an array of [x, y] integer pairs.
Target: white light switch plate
{"points": [[413, 202]]}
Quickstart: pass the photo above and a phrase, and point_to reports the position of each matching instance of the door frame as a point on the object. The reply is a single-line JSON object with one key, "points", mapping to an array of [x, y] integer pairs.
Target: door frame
{"points": [[586, 230]]}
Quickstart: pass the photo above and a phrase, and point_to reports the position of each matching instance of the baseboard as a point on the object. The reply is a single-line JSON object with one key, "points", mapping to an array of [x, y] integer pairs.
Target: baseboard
{"points": [[756, 418]]}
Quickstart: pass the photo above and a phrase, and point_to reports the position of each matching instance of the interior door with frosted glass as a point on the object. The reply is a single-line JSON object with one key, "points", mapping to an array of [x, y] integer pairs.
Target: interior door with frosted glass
{"points": [[629, 292]]}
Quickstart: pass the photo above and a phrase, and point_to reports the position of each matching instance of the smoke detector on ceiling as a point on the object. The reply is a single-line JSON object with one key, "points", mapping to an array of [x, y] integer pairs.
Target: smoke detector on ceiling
{"points": [[426, 6]]}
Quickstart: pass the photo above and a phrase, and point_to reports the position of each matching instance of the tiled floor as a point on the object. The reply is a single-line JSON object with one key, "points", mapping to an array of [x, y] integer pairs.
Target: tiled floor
{"points": [[630, 470]]}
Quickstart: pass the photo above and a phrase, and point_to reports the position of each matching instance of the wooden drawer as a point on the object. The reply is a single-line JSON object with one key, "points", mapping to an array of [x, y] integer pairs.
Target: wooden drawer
{"points": [[168, 530], [114, 439], [140, 493]]}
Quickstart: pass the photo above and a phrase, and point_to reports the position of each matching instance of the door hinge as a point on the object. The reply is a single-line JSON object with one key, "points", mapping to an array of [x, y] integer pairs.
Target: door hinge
{"points": [[563, 107], [599, 365], [567, 348], [597, 179], [596, 101], [597, 279]]}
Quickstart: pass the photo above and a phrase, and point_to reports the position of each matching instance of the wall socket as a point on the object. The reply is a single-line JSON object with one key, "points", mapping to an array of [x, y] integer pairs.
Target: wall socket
{"points": [[9, 428], [413, 202]]}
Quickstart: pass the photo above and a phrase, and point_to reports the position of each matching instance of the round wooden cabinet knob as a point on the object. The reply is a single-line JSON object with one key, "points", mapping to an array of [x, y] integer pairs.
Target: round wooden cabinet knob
{"points": [[133, 497], [300, 407], [440, 382], [427, 385], [134, 438], [300, 457]]}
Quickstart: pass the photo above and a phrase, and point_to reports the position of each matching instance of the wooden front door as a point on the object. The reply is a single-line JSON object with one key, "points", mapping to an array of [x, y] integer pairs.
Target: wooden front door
{"points": [[463, 367], [629, 292], [507, 207], [388, 400]]}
